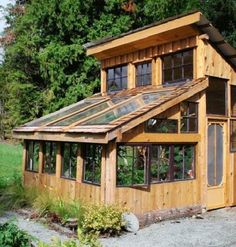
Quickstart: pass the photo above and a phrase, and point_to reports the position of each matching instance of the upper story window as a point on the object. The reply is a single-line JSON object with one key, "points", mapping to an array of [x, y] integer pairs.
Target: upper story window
{"points": [[117, 78], [233, 101], [178, 67], [144, 74], [216, 96]]}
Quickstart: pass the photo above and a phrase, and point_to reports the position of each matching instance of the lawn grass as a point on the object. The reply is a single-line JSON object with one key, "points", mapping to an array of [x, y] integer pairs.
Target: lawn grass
{"points": [[10, 162]]}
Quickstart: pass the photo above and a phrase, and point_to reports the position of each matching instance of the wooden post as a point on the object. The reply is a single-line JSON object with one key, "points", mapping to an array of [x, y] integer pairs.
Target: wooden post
{"points": [[58, 160], [24, 157], [103, 81], [110, 173], [157, 70], [40, 158], [103, 174], [79, 171], [131, 76]]}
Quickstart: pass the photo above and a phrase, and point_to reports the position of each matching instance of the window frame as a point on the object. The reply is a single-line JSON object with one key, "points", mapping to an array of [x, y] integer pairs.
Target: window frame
{"points": [[148, 62], [70, 161], [232, 150], [173, 67], [149, 159], [120, 78], [146, 170], [188, 117], [51, 151], [84, 152], [27, 143], [231, 103]]}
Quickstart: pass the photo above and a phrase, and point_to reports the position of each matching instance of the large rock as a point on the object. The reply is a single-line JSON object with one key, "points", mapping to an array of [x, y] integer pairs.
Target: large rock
{"points": [[131, 222]]}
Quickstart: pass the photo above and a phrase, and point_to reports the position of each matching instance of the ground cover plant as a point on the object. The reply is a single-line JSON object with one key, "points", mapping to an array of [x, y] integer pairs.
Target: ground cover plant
{"points": [[12, 236]]}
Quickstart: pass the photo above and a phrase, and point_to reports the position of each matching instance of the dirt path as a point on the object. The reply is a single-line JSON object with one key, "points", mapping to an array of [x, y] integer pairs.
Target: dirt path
{"points": [[217, 229]]}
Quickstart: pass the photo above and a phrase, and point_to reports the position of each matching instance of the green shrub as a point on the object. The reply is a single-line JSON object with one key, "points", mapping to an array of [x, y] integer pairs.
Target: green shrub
{"points": [[11, 236], [43, 203], [103, 219]]}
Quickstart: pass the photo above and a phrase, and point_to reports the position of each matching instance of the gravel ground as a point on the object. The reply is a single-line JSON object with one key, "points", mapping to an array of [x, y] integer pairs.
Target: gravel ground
{"points": [[37, 230], [217, 229]]}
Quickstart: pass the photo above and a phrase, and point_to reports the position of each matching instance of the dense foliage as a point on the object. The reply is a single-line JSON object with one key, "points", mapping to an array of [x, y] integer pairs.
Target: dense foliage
{"points": [[45, 66], [12, 236]]}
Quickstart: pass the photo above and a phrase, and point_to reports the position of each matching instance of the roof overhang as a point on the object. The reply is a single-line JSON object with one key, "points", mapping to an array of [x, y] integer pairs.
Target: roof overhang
{"points": [[168, 30]]}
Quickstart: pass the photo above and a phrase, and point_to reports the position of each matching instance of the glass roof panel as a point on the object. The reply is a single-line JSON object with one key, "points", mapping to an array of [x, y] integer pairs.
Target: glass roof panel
{"points": [[63, 112], [116, 113], [126, 108], [81, 115]]}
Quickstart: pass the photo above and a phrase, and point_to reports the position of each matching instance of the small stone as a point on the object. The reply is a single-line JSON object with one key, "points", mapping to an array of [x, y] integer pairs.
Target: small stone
{"points": [[131, 222], [199, 216], [194, 216]]}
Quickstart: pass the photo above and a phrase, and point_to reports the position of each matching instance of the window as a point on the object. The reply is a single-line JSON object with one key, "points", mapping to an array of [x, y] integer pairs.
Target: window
{"points": [[155, 125], [216, 96], [49, 161], [92, 163], [117, 78], [137, 165], [233, 135], [189, 117], [171, 163], [143, 74], [132, 164], [178, 67], [233, 101], [69, 160], [32, 156]]}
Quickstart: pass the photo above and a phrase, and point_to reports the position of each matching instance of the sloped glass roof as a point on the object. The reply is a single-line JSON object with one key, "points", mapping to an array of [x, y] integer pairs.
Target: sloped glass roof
{"points": [[99, 114]]}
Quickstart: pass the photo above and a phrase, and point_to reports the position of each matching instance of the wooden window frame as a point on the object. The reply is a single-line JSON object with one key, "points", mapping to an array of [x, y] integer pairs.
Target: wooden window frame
{"points": [[188, 117], [146, 169], [27, 156], [231, 103], [232, 150], [149, 63], [149, 159], [120, 78], [70, 161], [183, 79], [85, 152], [50, 151]]}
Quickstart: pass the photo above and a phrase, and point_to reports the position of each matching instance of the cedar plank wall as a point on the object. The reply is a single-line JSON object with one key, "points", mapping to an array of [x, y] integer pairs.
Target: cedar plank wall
{"points": [[211, 63], [68, 189]]}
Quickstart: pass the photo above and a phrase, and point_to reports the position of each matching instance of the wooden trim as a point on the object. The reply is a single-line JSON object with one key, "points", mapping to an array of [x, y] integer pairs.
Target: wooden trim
{"points": [[131, 76], [144, 34], [40, 158], [79, 170], [103, 81], [103, 174], [58, 160], [162, 138]]}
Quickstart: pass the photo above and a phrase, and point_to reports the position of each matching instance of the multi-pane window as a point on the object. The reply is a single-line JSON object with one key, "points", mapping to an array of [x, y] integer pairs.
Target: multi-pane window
{"points": [[117, 78], [233, 101], [92, 154], [143, 74], [216, 96], [155, 125], [144, 163], [32, 156], [171, 162], [178, 67], [49, 160], [132, 164], [189, 117], [69, 160], [233, 135]]}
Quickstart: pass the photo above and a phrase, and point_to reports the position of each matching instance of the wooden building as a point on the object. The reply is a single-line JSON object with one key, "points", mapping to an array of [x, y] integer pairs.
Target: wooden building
{"points": [[160, 138]]}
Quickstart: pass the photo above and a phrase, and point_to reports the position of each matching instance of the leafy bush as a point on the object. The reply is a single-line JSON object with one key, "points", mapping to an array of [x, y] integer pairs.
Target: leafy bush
{"points": [[103, 219], [11, 236]]}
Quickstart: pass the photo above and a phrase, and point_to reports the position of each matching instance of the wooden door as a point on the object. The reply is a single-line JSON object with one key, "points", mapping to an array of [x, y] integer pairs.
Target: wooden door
{"points": [[216, 165]]}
